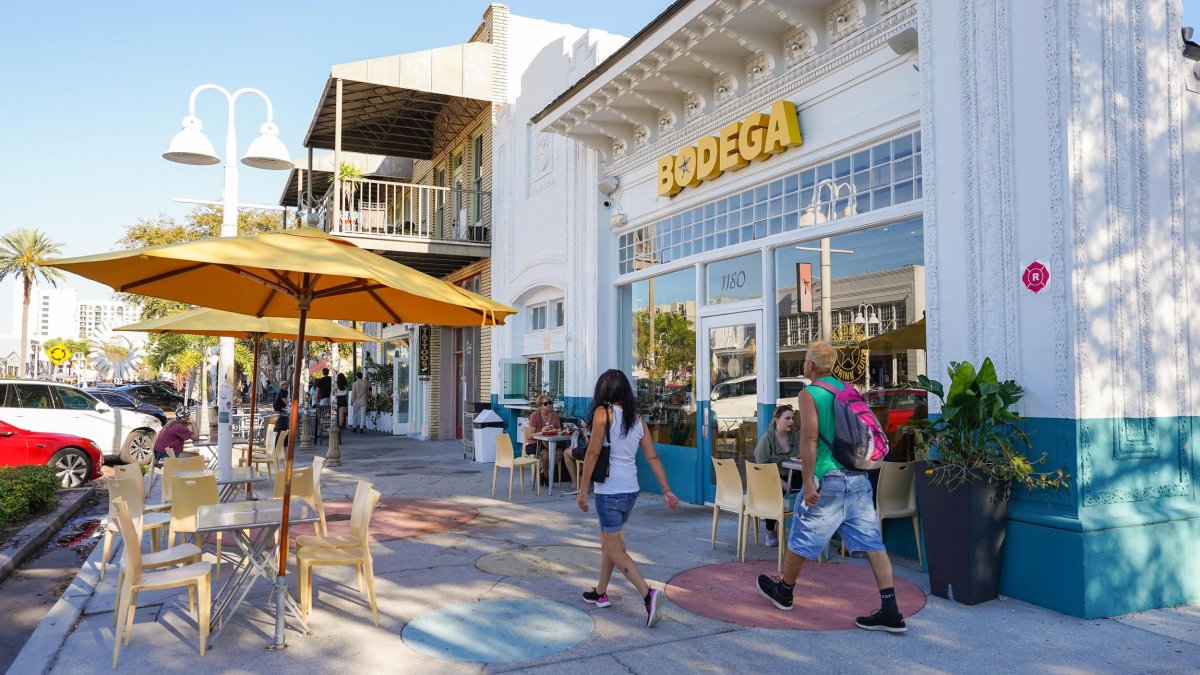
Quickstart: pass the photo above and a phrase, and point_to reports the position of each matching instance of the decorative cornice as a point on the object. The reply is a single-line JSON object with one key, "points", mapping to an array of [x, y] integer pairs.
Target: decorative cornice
{"points": [[836, 57]]}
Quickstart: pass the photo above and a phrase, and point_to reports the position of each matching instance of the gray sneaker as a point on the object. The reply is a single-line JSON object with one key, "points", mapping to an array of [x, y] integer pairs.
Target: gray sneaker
{"points": [[772, 539], [653, 607]]}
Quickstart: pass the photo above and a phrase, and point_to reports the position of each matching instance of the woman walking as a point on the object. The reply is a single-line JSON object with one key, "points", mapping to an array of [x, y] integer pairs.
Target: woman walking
{"points": [[617, 425], [342, 394]]}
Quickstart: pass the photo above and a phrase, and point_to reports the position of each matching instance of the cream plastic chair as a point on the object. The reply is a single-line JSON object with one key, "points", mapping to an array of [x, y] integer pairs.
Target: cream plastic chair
{"points": [[135, 471], [272, 457], [304, 488], [256, 448], [318, 469], [352, 540], [172, 466], [129, 489], [729, 497], [896, 497], [505, 458], [308, 557], [195, 576], [171, 556], [764, 499], [188, 495]]}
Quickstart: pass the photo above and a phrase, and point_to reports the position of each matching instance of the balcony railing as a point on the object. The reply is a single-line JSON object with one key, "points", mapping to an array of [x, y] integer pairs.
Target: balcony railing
{"points": [[408, 211]]}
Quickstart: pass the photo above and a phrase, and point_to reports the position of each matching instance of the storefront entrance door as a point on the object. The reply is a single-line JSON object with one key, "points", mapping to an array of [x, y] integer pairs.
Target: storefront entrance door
{"points": [[729, 386]]}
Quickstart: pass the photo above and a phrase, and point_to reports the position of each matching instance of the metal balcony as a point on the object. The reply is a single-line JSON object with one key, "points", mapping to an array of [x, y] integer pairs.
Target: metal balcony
{"points": [[434, 229]]}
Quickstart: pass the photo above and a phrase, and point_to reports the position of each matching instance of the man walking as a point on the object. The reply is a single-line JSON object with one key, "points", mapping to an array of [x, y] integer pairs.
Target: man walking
{"points": [[835, 498], [358, 403]]}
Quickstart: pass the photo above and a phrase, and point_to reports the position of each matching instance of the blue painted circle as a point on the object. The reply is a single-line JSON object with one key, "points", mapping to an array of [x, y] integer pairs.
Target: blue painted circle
{"points": [[494, 631]]}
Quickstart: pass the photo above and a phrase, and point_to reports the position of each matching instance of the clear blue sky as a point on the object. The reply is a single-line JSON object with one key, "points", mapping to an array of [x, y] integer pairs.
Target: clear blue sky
{"points": [[95, 90]]}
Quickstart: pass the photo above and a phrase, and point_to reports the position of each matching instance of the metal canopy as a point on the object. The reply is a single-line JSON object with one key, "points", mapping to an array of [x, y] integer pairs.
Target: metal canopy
{"points": [[389, 104]]}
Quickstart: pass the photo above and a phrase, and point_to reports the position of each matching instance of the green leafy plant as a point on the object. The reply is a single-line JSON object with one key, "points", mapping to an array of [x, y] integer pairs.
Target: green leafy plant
{"points": [[26, 491], [978, 436], [379, 377]]}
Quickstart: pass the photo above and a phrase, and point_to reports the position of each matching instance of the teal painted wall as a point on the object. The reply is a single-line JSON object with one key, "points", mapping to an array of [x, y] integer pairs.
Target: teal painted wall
{"points": [[1125, 536]]}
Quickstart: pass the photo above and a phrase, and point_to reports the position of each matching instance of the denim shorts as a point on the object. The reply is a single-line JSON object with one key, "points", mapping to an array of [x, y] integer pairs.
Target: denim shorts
{"points": [[613, 510], [846, 505]]}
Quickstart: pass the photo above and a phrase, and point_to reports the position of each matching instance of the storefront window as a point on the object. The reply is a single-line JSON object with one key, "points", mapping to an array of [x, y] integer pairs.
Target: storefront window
{"points": [[885, 174], [876, 288], [734, 279], [660, 315]]}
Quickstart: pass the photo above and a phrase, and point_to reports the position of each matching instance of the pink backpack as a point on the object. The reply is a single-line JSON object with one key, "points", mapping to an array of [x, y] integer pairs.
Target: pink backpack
{"points": [[858, 441]]}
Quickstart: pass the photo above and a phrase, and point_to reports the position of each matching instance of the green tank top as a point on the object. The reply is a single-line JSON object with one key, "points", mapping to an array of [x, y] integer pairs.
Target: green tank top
{"points": [[826, 427]]}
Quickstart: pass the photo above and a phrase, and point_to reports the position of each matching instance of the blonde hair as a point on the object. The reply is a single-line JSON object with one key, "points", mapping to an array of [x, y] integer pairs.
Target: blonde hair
{"points": [[544, 397], [822, 355]]}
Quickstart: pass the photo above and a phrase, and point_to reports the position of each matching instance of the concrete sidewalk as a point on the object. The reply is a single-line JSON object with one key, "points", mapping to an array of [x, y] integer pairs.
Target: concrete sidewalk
{"points": [[548, 551]]}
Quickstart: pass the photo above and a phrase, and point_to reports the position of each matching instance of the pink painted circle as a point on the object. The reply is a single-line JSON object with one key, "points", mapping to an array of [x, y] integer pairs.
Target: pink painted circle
{"points": [[828, 595], [397, 518]]}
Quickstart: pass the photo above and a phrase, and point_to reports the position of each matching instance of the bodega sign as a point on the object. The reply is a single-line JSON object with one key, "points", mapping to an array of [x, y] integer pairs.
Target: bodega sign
{"points": [[757, 137]]}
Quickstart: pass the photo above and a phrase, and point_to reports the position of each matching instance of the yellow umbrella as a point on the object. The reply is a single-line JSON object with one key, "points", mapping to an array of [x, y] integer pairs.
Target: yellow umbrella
{"points": [[911, 336], [206, 321], [288, 273]]}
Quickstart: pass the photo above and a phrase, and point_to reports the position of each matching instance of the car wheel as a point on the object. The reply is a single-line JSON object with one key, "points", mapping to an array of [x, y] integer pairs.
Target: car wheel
{"points": [[138, 448], [72, 466]]}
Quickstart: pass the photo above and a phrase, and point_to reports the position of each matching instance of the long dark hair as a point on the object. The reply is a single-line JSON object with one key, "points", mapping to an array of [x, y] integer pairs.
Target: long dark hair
{"points": [[341, 381], [613, 389]]}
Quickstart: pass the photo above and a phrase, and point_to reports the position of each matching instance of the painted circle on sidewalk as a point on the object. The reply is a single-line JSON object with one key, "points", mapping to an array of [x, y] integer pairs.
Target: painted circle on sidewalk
{"points": [[495, 631], [397, 518], [828, 596], [537, 561]]}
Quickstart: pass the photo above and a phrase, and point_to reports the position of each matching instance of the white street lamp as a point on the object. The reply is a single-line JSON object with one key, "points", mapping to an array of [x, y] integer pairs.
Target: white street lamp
{"points": [[191, 146]]}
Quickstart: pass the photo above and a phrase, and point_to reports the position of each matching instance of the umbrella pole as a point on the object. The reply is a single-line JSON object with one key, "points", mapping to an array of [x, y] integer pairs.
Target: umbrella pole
{"points": [[333, 455], [281, 589], [257, 340]]}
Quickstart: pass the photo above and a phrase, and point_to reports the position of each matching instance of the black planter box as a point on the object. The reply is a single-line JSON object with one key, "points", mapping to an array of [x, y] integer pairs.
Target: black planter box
{"points": [[964, 532]]}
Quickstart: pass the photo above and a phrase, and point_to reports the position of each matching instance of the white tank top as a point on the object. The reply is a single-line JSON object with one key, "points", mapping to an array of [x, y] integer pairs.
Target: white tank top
{"points": [[622, 456]]}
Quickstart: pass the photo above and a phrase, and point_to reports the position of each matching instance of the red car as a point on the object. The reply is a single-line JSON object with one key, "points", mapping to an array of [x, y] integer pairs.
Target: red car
{"points": [[900, 405], [76, 460]]}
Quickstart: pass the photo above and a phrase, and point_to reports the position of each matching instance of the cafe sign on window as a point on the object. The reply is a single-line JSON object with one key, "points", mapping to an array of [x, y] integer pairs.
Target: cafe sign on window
{"points": [[756, 137]]}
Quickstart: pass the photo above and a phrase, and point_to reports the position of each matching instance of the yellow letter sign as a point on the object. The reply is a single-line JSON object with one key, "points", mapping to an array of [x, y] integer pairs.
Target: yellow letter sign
{"points": [[755, 138]]}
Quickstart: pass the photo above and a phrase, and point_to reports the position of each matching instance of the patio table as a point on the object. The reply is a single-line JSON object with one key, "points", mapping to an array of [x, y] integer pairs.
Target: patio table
{"points": [[253, 526], [792, 465], [553, 440], [228, 485]]}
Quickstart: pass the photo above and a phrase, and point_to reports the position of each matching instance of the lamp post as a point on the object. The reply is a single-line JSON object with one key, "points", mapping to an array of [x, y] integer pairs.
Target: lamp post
{"points": [[191, 146]]}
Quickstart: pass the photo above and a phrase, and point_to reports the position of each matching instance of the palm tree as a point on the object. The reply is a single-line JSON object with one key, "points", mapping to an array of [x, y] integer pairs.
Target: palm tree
{"points": [[23, 253]]}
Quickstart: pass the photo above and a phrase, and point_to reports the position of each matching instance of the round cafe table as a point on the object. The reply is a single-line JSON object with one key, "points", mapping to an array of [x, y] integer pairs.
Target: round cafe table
{"points": [[552, 440]]}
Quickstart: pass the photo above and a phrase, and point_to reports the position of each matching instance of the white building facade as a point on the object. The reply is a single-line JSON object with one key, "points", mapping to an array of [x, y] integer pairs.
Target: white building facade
{"points": [[941, 150]]}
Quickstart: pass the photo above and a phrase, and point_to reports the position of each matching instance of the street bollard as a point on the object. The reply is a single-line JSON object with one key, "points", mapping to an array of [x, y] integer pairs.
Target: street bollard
{"points": [[306, 430]]}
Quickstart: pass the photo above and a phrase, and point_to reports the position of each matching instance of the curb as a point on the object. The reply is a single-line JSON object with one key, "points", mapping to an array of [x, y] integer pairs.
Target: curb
{"points": [[43, 646], [33, 536]]}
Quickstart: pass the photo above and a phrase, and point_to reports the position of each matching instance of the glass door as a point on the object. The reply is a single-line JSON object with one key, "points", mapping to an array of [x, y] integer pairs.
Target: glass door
{"points": [[730, 382]]}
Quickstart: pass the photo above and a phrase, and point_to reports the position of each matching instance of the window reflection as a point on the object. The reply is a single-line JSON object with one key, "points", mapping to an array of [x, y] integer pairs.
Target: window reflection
{"points": [[660, 315], [877, 287]]}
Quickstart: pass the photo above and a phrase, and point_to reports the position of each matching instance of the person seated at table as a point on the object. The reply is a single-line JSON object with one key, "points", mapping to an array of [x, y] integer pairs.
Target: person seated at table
{"points": [[175, 434], [779, 444], [578, 448], [543, 421]]}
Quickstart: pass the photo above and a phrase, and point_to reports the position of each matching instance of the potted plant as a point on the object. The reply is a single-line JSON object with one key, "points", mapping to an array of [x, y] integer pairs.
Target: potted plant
{"points": [[969, 459]]}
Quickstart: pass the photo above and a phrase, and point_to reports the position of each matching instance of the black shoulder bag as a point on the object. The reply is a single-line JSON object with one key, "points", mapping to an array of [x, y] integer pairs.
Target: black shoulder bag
{"points": [[600, 471]]}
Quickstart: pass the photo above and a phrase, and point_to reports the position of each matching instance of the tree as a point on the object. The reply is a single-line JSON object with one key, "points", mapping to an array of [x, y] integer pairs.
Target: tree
{"points": [[23, 253]]}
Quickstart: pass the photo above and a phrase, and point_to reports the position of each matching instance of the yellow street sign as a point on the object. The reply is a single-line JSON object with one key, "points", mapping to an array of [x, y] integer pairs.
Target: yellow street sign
{"points": [[58, 353]]}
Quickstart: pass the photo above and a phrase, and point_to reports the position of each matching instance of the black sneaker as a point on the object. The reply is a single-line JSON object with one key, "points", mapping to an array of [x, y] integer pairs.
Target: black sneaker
{"points": [[597, 599], [545, 481], [890, 623], [775, 591]]}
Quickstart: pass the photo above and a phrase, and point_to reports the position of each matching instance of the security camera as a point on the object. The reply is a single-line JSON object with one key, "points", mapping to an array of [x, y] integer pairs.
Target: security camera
{"points": [[607, 204], [609, 185], [1191, 50]]}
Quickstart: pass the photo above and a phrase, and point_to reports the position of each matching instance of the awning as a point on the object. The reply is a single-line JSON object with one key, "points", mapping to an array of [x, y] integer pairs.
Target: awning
{"points": [[375, 167], [389, 104], [911, 336]]}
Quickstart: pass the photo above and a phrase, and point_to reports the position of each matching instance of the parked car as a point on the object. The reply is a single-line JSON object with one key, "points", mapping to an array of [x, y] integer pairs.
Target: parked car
{"points": [[75, 460], [156, 394], [127, 435], [738, 398], [118, 400], [900, 405]]}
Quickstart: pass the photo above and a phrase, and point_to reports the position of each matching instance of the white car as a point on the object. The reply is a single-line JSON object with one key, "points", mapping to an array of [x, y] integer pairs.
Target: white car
{"points": [[60, 408], [737, 399]]}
